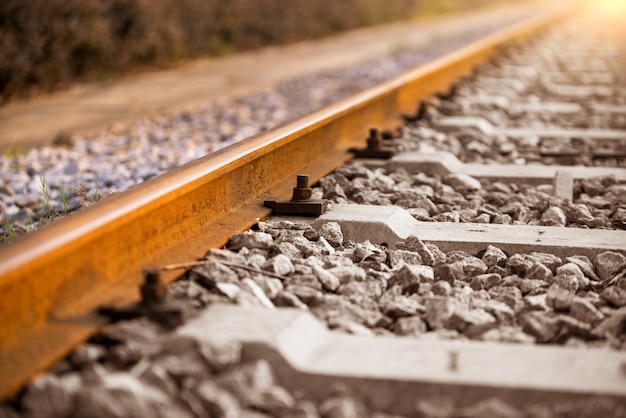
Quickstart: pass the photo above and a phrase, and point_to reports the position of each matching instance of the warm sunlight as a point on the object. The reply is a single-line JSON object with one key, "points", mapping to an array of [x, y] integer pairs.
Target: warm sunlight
{"points": [[613, 8]]}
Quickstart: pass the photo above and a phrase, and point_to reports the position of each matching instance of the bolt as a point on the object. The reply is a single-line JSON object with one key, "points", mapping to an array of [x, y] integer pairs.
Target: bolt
{"points": [[302, 191], [302, 181], [153, 289], [373, 141]]}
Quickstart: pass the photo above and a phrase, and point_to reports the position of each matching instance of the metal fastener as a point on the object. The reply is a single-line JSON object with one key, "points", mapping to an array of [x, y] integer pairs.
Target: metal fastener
{"points": [[153, 289], [302, 192], [374, 141], [301, 202], [374, 148]]}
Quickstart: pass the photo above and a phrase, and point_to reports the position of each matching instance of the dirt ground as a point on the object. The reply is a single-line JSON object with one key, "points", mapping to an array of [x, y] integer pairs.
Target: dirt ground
{"points": [[92, 107]]}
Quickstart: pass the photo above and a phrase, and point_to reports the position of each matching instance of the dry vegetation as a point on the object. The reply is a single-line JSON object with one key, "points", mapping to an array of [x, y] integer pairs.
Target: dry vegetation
{"points": [[48, 44]]}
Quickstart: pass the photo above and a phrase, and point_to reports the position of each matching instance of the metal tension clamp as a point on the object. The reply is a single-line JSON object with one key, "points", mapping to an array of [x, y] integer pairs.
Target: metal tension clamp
{"points": [[300, 203], [374, 149]]}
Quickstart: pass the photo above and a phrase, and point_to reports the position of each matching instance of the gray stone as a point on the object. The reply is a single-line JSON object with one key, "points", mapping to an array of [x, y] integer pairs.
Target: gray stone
{"points": [[305, 293], [157, 376], [539, 272], [583, 310], [470, 321], [494, 256], [87, 354], [614, 325], [273, 401], [347, 274], [554, 216], [551, 261], [366, 251], [136, 331], [397, 306], [286, 248], [439, 310], [507, 334], [349, 326], [413, 243], [615, 296], [519, 264], [572, 327], [473, 266], [324, 248], [585, 266], [279, 264], [183, 357], [248, 381], [328, 280], [397, 257], [123, 395], [541, 326], [250, 239], [343, 406], [51, 395], [512, 296], [462, 182], [559, 298], [449, 272], [212, 273], [579, 213], [571, 277], [491, 407], [230, 290], [331, 231], [409, 326], [527, 286], [485, 281], [454, 217], [536, 302], [441, 288], [304, 279], [271, 286], [287, 299], [257, 291], [216, 401], [307, 247], [608, 264], [410, 276], [500, 310]]}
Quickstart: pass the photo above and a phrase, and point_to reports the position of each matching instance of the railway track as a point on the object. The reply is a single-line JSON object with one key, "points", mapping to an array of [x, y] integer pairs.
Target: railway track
{"points": [[475, 263]]}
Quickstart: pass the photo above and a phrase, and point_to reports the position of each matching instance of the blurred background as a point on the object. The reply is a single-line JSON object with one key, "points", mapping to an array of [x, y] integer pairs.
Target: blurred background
{"points": [[47, 45]]}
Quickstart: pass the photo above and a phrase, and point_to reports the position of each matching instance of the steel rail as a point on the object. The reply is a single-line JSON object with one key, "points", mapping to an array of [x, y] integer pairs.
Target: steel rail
{"points": [[52, 281]]}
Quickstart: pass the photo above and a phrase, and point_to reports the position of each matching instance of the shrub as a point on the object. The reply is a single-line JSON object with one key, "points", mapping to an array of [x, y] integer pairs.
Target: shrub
{"points": [[47, 44]]}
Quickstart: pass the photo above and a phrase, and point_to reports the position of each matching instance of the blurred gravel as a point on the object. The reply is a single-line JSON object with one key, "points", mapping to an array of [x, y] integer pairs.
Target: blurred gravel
{"points": [[142, 368], [124, 156]]}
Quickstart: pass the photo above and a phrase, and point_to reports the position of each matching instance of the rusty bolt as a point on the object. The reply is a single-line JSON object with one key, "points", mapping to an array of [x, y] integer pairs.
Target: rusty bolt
{"points": [[302, 191], [153, 289], [374, 141]]}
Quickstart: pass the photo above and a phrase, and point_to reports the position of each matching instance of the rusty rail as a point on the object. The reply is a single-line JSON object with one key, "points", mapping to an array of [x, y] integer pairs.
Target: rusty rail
{"points": [[51, 281]]}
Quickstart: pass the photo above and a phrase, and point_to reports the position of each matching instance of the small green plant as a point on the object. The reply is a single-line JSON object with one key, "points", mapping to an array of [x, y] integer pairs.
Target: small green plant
{"points": [[96, 195], [64, 199], [44, 192], [9, 227]]}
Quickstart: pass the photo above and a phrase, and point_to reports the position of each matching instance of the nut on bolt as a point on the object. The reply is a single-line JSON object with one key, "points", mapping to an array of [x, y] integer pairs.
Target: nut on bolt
{"points": [[302, 191], [374, 141], [374, 148], [301, 203], [153, 289]]}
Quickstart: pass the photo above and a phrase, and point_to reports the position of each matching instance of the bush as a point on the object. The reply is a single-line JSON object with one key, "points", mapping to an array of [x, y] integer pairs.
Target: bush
{"points": [[47, 44]]}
